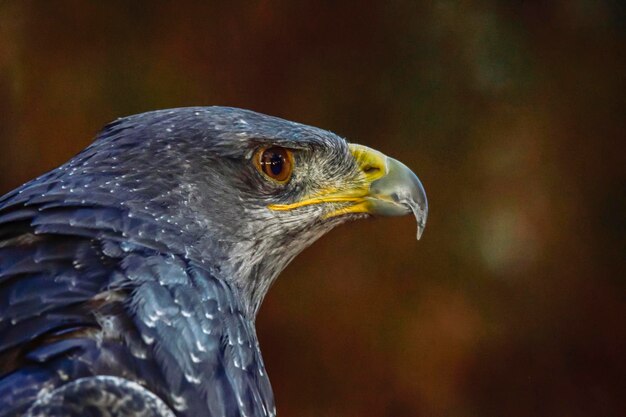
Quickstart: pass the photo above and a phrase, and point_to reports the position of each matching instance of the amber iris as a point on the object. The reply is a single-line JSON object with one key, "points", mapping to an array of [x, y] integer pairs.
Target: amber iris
{"points": [[276, 163]]}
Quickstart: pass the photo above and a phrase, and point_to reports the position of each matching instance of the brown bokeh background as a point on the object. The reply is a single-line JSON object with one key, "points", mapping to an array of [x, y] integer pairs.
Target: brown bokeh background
{"points": [[512, 114]]}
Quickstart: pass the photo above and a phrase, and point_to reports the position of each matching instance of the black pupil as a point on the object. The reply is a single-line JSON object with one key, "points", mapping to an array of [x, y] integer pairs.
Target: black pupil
{"points": [[275, 161]]}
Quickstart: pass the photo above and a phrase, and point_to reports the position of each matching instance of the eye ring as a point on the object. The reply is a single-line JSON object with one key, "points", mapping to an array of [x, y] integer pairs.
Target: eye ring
{"points": [[275, 163]]}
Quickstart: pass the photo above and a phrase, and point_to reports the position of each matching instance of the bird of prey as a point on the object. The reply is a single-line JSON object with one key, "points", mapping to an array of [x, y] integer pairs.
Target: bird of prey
{"points": [[131, 276]]}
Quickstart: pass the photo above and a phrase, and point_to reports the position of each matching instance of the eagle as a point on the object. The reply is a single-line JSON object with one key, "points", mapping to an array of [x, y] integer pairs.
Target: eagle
{"points": [[131, 276]]}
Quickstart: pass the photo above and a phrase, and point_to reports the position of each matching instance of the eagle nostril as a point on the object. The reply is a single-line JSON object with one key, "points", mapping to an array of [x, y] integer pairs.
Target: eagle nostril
{"points": [[369, 169]]}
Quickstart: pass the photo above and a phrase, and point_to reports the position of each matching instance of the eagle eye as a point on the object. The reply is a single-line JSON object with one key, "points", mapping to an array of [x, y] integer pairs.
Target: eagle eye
{"points": [[275, 163]]}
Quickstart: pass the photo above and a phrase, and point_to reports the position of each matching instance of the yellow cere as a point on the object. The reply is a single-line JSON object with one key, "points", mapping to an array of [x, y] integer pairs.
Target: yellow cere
{"points": [[373, 166], [372, 163]]}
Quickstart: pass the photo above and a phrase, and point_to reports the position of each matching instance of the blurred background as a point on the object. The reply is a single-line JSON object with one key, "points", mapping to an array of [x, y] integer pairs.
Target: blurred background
{"points": [[511, 112]]}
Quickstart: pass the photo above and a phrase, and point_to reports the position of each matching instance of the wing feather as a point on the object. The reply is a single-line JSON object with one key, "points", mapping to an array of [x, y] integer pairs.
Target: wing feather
{"points": [[77, 301]]}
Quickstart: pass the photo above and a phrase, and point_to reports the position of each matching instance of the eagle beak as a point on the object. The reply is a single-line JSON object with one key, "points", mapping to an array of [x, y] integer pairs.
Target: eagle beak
{"points": [[394, 190], [386, 187]]}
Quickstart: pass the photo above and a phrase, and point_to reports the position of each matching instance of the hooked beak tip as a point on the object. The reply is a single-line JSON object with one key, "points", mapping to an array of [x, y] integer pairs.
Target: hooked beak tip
{"points": [[421, 223], [421, 214]]}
